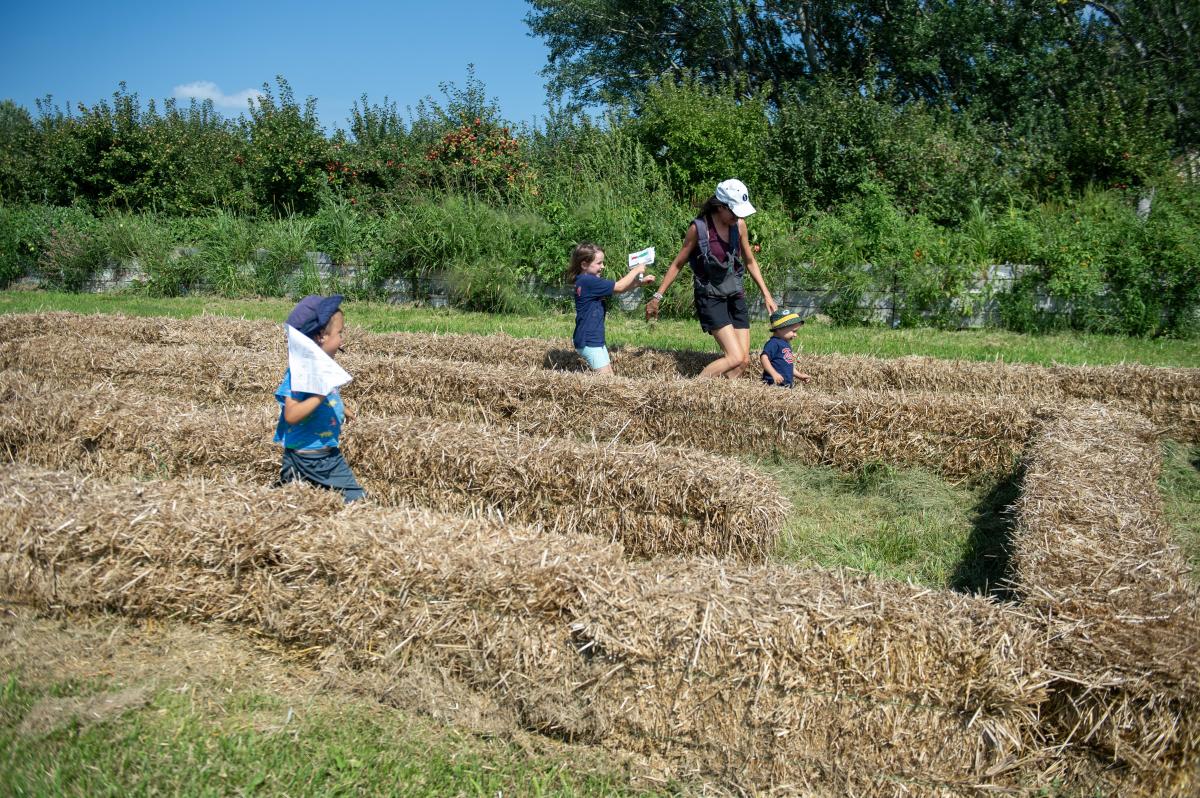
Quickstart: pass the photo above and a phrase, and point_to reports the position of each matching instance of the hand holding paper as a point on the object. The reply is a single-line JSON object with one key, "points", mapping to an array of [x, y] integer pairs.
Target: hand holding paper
{"points": [[313, 371], [643, 258]]}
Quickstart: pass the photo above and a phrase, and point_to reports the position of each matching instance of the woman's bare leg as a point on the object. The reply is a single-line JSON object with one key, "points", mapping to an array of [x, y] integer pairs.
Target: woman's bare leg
{"points": [[737, 371], [735, 358]]}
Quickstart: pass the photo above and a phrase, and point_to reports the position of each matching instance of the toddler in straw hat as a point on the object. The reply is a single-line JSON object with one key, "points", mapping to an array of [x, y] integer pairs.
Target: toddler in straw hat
{"points": [[310, 424], [778, 362]]}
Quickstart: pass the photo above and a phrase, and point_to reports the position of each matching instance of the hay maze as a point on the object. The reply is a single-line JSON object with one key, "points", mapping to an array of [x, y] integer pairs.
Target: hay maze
{"points": [[582, 555]]}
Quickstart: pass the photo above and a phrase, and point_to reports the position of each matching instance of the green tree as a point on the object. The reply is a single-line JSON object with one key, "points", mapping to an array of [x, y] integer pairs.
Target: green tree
{"points": [[286, 151], [609, 50], [704, 134], [17, 162]]}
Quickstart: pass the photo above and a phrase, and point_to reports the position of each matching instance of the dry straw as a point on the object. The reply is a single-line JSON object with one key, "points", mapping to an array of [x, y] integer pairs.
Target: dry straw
{"points": [[1092, 555], [654, 500], [204, 329], [962, 437], [762, 677], [1170, 397]]}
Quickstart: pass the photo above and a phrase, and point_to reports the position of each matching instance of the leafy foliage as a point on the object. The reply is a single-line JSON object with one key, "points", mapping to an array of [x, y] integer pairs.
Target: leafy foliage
{"points": [[286, 152]]}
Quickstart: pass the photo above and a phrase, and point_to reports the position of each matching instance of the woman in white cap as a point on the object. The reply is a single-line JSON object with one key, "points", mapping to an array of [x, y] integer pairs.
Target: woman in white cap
{"points": [[718, 249]]}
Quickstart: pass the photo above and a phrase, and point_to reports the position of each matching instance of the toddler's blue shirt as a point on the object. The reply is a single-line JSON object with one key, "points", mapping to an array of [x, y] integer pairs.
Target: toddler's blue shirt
{"points": [[779, 352]]}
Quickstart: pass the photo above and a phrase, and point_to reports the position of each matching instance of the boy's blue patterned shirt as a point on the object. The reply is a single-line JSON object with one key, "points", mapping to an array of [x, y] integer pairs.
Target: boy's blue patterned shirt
{"points": [[321, 428]]}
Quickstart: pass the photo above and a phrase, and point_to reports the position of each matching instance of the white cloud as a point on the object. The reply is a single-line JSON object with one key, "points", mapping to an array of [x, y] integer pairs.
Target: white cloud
{"points": [[207, 90]]}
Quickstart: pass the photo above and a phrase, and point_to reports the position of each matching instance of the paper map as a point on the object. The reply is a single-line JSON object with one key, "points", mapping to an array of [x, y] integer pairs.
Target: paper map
{"points": [[313, 371]]}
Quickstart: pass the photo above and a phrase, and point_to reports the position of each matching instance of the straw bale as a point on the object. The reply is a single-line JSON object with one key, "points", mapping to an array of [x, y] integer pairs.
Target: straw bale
{"points": [[204, 329], [1093, 556], [962, 437], [767, 678], [654, 500], [1170, 397]]}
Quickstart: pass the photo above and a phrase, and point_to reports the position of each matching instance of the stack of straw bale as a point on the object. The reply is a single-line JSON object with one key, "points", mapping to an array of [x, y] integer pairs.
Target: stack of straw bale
{"points": [[962, 437], [1092, 555], [206, 330], [1170, 397], [763, 677], [654, 500]]}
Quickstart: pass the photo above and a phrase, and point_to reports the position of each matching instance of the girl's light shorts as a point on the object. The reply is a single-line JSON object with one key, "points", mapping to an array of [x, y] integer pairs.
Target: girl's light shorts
{"points": [[596, 356]]}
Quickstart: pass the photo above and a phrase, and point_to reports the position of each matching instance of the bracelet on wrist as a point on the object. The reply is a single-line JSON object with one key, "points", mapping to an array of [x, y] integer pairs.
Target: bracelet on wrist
{"points": [[657, 295]]}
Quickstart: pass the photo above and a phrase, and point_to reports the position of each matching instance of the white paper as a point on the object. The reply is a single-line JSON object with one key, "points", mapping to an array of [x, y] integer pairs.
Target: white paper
{"points": [[643, 258], [313, 371]]}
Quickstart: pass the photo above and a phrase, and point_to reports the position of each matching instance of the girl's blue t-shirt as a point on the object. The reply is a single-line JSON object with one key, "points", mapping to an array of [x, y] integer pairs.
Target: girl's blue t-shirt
{"points": [[321, 428], [590, 308]]}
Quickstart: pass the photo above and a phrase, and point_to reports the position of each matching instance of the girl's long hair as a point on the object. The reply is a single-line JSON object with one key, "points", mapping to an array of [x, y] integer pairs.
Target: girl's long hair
{"points": [[581, 256]]}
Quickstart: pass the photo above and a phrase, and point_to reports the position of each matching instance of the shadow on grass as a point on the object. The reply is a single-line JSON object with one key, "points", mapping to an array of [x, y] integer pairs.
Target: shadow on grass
{"points": [[985, 567]]}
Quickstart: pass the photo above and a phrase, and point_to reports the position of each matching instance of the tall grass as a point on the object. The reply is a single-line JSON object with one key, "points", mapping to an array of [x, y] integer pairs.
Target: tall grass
{"points": [[1089, 264], [227, 251]]}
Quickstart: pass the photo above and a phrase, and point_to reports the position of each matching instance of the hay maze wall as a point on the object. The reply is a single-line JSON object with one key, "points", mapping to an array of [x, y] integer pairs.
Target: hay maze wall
{"points": [[647, 618]]}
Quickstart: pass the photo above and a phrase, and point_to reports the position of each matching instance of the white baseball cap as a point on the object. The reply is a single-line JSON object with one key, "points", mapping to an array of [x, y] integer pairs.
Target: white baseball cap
{"points": [[733, 194]]}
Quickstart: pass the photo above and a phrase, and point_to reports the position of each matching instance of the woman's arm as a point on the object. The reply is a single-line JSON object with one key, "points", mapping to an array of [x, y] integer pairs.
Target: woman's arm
{"points": [[296, 411], [689, 243], [752, 266]]}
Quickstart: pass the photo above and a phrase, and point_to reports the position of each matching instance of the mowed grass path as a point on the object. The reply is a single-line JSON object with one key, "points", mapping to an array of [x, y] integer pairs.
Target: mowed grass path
{"points": [[110, 707]]}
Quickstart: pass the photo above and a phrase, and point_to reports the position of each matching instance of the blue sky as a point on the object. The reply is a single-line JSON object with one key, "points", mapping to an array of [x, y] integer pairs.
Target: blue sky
{"points": [[81, 51]]}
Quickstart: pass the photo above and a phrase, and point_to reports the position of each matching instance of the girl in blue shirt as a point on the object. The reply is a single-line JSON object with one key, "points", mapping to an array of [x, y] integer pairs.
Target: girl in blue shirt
{"points": [[591, 302]]}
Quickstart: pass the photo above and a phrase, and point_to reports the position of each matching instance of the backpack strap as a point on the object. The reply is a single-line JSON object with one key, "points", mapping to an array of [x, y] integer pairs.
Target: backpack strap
{"points": [[702, 241], [702, 237]]}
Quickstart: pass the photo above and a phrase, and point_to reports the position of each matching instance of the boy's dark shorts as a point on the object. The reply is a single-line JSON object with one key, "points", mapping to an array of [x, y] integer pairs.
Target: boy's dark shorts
{"points": [[324, 467], [717, 312]]}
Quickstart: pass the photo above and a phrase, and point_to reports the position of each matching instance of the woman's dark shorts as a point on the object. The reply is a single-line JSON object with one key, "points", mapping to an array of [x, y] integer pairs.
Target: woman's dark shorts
{"points": [[717, 312], [324, 467]]}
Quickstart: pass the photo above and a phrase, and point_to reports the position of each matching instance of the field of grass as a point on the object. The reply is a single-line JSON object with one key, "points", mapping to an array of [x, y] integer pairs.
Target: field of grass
{"points": [[632, 330], [233, 721]]}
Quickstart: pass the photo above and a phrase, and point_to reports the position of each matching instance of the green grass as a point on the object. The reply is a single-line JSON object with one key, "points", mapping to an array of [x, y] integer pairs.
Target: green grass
{"points": [[244, 742], [1180, 488], [906, 524], [631, 330]]}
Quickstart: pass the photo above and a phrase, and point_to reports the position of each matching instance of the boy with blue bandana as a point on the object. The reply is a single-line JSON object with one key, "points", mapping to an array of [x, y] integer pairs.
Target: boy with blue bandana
{"points": [[310, 425]]}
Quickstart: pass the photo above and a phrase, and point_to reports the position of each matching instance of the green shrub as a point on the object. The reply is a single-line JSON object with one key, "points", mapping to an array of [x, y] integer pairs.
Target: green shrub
{"points": [[70, 257], [286, 152], [24, 231], [704, 134]]}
